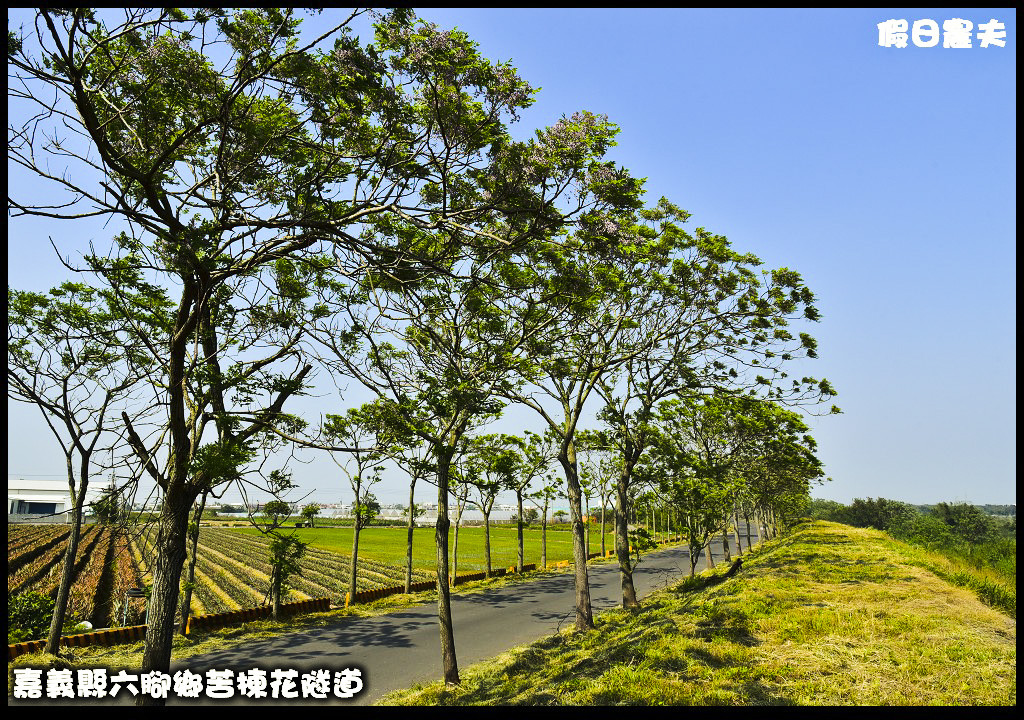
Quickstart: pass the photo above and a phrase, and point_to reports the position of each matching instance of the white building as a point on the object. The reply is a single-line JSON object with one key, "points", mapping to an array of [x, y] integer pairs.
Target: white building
{"points": [[37, 500]]}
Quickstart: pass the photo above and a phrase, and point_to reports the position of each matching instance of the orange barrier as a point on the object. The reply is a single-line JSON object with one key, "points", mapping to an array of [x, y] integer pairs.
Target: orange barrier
{"points": [[136, 633], [100, 637], [219, 620]]}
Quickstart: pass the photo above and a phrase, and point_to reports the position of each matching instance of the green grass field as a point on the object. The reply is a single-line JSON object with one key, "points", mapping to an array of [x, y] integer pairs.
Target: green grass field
{"points": [[388, 545]]}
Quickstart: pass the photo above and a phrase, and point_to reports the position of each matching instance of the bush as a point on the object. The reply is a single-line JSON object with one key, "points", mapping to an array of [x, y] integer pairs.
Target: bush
{"points": [[28, 616], [966, 521]]}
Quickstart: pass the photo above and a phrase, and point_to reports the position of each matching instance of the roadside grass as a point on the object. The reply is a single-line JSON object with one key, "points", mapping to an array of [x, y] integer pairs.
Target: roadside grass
{"points": [[829, 615]]}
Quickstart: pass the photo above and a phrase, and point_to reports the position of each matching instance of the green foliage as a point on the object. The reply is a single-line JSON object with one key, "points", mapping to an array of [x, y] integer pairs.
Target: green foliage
{"points": [[276, 512], [967, 522], [110, 508], [285, 553], [368, 509], [881, 514], [29, 615], [309, 512], [958, 530], [640, 542]]}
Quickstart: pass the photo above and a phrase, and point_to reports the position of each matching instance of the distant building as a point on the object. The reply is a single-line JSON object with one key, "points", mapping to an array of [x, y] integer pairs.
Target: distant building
{"points": [[42, 500]]}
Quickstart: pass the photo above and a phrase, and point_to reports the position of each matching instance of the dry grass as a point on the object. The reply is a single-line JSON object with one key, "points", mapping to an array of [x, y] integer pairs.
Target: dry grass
{"points": [[830, 615]]}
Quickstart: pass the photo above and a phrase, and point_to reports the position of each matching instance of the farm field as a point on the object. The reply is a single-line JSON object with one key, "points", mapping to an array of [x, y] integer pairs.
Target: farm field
{"points": [[388, 544], [233, 570], [104, 570]]}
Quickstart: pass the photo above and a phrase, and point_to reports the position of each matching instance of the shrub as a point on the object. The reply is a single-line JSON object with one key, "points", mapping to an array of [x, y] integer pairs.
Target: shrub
{"points": [[28, 616]]}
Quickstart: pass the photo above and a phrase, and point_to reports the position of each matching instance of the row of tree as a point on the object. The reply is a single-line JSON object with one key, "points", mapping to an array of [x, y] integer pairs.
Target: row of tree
{"points": [[287, 208]]}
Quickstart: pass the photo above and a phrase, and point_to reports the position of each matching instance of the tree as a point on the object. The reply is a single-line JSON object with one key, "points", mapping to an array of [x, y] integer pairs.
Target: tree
{"points": [[697, 452], [193, 557], [227, 181], [365, 433], [463, 478], [285, 553], [713, 321], [70, 354], [966, 521], [530, 516], [494, 460], [600, 468], [309, 513], [110, 508], [542, 499], [275, 513], [432, 338], [532, 457], [781, 466]]}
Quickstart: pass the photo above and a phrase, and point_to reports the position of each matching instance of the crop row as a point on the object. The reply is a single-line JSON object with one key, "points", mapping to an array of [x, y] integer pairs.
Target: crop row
{"points": [[94, 575], [323, 572], [126, 575], [232, 572], [47, 565], [88, 598], [23, 538]]}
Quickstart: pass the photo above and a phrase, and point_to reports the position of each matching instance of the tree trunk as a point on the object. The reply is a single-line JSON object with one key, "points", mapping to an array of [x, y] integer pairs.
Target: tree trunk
{"points": [[455, 550], [355, 555], [408, 542], [604, 502], [622, 545], [275, 592], [519, 556], [544, 538], [449, 663], [736, 520], [170, 552], [584, 611], [746, 519], [586, 525], [725, 542], [711, 560], [190, 573], [60, 607], [357, 522], [487, 543]]}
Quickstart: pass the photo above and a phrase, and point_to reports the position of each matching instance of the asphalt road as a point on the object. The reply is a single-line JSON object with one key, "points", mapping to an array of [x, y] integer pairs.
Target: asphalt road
{"points": [[400, 649]]}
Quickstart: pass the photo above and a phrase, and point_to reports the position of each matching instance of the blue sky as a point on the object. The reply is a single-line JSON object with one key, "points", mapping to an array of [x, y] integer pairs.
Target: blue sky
{"points": [[885, 176]]}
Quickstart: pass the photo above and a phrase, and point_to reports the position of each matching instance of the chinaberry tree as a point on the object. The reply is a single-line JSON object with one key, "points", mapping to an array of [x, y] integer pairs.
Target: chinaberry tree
{"points": [[365, 432], [600, 468], [71, 353], [541, 499], [233, 153], [441, 344], [533, 456], [713, 321], [494, 461]]}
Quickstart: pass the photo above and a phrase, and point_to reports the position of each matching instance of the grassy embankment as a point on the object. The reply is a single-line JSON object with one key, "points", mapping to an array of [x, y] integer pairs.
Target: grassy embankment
{"points": [[830, 615]]}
